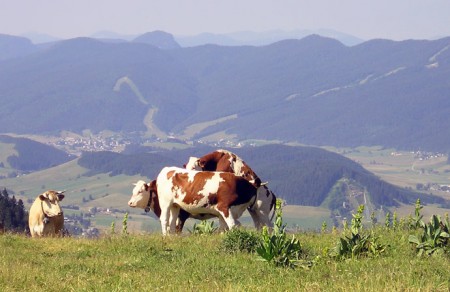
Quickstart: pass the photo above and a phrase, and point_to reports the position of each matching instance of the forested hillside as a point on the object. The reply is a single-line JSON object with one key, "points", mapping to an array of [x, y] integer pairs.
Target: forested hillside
{"points": [[300, 175], [315, 91], [32, 155]]}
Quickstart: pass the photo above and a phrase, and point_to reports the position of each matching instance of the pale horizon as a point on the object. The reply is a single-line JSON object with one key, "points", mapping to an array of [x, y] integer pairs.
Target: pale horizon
{"points": [[396, 20]]}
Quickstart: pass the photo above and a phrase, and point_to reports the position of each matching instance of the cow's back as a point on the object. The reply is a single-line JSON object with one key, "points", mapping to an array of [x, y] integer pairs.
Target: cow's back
{"points": [[194, 190]]}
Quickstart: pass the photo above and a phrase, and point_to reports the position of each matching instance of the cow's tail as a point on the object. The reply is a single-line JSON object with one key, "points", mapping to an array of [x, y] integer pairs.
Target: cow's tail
{"points": [[272, 206]]}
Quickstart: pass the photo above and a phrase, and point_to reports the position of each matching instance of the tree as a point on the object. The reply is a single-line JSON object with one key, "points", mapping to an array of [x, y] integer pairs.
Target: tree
{"points": [[13, 216]]}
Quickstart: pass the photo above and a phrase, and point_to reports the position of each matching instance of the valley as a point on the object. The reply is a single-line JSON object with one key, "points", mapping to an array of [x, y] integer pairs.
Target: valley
{"points": [[162, 104], [102, 198]]}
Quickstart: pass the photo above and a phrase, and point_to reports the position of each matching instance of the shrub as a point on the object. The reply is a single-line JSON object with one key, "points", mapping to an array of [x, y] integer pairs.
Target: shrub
{"points": [[203, 228], [239, 239], [357, 243], [434, 239]]}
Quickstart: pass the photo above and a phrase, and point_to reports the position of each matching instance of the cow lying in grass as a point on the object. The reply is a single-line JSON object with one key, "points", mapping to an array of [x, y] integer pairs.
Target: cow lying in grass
{"points": [[46, 216], [199, 193], [223, 160]]}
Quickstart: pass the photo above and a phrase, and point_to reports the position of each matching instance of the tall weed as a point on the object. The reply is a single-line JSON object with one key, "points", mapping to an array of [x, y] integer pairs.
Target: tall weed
{"points": [[276, 247], [358, 243]]}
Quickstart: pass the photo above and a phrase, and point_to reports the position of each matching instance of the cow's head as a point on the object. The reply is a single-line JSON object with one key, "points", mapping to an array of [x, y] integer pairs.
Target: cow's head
{"points": [[145, 197], [193, 164], [50, 203]]}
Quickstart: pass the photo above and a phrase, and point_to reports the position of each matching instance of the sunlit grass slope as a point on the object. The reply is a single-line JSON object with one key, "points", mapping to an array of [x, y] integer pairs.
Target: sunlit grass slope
{"points": [[185, 263]]}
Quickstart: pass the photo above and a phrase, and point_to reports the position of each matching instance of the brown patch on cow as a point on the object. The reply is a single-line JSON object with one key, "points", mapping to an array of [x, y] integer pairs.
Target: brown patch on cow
{"points": [[170, 174], [221, 161], [181, 184], [209, 161], [233, 190]]}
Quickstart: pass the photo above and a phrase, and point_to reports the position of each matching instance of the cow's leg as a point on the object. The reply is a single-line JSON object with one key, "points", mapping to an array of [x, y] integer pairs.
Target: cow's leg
{"points": [[256, 218], [174, 211], [182, 217], [228, 218], [222, 224], [164, 218]]}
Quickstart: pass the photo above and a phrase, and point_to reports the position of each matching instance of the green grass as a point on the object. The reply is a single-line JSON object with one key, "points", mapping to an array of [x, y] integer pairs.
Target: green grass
{"points": [[182, 263]]}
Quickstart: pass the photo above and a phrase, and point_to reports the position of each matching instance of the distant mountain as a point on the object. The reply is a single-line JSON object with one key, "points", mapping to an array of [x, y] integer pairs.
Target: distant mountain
{"points": [[299, 175], [40, 38], [14, 47], [249, 38], [159, 39], [31, 155], [314, 90], [112, 35]]}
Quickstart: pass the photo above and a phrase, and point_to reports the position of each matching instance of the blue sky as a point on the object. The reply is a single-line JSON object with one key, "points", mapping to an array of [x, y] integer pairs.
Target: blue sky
{"points": [[390, 19]]}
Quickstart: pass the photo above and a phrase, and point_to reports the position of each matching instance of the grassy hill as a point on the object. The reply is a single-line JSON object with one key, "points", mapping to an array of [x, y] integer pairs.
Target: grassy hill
{"points": [[142, 262]]}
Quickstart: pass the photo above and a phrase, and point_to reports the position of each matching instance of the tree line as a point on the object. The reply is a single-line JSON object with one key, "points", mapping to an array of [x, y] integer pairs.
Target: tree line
{"points": [[13, 216]]}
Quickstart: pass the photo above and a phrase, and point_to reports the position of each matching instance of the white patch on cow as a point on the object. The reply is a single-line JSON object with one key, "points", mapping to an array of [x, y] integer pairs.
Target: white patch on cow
{"points": [[39, 229], [191, 176], [193, 164], [212, 185], [238, 167]]}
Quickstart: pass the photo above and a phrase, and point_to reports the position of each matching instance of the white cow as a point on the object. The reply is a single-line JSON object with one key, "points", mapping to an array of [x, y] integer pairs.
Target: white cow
{"points": [[46, 216]]}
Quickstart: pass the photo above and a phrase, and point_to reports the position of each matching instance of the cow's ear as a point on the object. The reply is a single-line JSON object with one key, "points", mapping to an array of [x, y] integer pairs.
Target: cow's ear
{"points": [[60, 197], [44, 196], [147, 186], [201, 163]]}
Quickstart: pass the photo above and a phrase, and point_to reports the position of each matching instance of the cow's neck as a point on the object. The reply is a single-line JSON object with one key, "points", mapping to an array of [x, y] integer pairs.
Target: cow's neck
{"points": [[153, 204], [46, 217]]}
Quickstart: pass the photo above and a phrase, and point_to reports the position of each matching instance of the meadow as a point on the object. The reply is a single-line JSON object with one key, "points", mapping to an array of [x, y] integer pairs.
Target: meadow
{"points": [[150, 262]]}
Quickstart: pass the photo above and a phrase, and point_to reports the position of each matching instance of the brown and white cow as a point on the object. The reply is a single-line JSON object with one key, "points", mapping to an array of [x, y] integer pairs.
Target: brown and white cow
{"points": [[145, 196], [46, 217], [218, 194], [223, 160]]}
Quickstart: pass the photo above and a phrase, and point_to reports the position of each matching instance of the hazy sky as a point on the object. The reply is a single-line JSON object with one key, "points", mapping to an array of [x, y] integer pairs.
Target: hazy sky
{"points": [[366, 19]]}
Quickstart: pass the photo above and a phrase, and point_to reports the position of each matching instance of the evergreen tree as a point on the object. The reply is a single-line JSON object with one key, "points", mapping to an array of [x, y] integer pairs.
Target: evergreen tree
{"points": [[13, 216]]}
